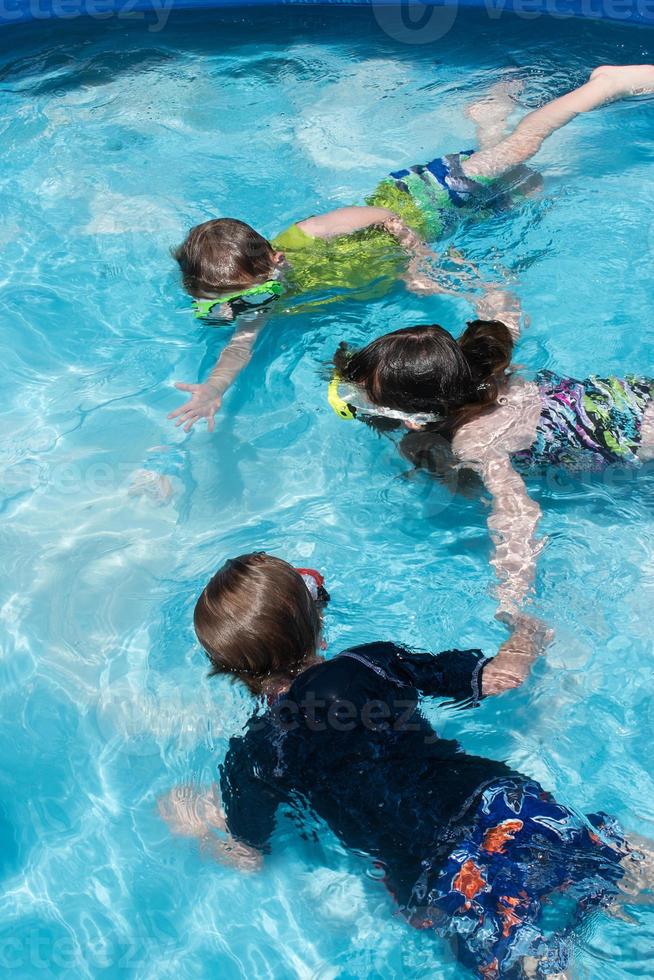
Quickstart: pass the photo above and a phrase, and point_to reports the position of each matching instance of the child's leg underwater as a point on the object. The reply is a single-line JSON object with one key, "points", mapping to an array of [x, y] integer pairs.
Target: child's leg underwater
{"points": [[606, 84], [530, 967], [637, 883], [491, 113]]}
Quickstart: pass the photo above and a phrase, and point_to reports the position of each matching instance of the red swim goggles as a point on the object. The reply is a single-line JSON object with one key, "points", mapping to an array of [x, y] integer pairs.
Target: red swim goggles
{"points": [[315, 583]]}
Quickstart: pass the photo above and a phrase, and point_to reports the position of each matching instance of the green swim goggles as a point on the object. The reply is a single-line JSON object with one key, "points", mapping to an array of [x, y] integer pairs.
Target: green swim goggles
{"points": [[240, 302]]}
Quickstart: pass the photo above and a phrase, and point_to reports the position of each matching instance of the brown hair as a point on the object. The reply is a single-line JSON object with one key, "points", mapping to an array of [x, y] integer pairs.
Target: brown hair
{"points": [[257, 621], [221, 255], [424, 369]]}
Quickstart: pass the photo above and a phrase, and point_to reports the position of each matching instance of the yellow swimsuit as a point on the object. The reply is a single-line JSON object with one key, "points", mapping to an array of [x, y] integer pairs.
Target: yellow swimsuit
{"points": [[367, 262]]}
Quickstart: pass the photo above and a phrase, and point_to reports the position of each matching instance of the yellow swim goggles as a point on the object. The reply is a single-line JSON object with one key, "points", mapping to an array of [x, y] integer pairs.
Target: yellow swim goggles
{"points": [[348, 400], [338, 404]]}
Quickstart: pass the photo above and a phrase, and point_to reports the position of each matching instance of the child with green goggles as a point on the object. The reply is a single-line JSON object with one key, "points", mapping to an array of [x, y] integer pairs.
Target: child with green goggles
{"points": [[233, 272]]}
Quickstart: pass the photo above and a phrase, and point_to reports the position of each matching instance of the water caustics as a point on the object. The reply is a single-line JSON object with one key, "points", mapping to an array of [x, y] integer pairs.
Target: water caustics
{"points": [[114, 141]]}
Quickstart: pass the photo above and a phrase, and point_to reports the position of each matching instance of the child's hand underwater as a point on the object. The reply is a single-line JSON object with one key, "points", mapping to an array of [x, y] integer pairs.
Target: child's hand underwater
{"points": [[203, 404], [450, 274], [197, 812], [529, 639]]}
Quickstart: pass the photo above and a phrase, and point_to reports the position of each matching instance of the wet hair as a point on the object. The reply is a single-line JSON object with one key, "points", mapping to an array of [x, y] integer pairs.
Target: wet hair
{"points": [[258, 623], [424, 369], [221, 255]]}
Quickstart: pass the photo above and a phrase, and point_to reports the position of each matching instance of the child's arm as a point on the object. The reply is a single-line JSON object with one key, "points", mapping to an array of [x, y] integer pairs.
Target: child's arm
{"points": [[421, 273], [347, 221], [606, 84], [500, 304], [198, 813], [207, 397], [512, 665], [512, 524]]}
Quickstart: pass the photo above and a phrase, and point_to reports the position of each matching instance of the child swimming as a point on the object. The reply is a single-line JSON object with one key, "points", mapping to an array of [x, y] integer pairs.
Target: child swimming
{"points": [[470, 848], [233, 271], [465, 410]]}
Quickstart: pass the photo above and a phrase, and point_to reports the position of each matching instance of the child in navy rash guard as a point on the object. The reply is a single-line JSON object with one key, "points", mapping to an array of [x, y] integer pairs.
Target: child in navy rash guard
{"points": [[471, 848]]}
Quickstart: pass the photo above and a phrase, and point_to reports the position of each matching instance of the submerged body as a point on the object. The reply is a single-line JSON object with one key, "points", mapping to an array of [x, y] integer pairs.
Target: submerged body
{"points": [[465, 412], [428, 200], [536, 427], [470, 847]]}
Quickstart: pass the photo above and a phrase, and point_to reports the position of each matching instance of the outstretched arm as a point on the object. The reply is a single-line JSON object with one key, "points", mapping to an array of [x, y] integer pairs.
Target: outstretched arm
{"points": [[460, 675], [206, 398], [512, 523], [606, 84]]}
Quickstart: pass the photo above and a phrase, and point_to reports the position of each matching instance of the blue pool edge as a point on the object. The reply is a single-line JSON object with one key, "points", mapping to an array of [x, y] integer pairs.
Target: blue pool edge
{"points": [[638, 12]]}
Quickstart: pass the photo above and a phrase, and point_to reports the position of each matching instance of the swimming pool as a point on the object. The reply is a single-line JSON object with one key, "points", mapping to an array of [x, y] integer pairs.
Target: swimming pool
{"points": [[115, 140]]}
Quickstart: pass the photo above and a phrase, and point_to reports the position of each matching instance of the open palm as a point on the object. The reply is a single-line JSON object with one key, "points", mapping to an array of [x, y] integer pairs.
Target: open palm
{"points": [[203, 404]]}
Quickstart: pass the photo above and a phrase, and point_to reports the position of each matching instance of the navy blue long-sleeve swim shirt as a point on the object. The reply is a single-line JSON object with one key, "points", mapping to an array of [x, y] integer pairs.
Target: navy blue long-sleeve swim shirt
{"points": [[349, 743]]}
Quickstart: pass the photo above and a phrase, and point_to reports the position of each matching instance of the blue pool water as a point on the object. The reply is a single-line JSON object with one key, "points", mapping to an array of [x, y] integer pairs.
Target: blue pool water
{"points": [[114, 141]]}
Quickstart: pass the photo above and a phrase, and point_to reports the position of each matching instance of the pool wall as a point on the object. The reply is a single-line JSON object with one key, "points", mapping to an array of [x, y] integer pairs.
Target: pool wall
{"points": [[621, 11]]}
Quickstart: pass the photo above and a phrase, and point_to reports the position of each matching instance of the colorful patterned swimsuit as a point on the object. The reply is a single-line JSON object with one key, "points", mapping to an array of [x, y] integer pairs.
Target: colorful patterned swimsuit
{"points": [[587, 425], [523, 851]]}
